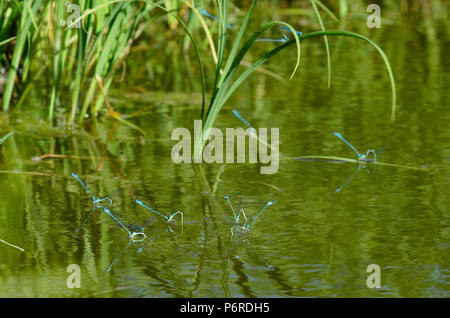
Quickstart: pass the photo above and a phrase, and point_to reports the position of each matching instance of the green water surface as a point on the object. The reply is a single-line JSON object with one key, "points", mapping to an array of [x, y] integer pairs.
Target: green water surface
{"points": [[315, 241]]}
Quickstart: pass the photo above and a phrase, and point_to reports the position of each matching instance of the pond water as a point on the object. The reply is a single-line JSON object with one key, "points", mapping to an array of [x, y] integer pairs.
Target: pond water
{"points": [[314, 241]]}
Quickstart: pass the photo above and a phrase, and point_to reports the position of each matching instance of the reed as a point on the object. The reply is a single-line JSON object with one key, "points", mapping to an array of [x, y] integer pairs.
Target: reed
{"points": [[83, 49], [225, 82], [336, 159], [226, 69], [31, 30], [22, 16]]}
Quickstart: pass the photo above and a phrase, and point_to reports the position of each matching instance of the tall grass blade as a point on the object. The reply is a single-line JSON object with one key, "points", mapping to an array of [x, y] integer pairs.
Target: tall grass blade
{"points": [[327, 47], [348, 160], [24, 31], [2, 140], [57, 58], [221, 95], [326, 10]]}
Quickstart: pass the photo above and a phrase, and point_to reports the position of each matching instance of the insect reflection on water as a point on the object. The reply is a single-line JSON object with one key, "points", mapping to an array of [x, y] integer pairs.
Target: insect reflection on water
{"points": [[239, 228], [240, 234]]}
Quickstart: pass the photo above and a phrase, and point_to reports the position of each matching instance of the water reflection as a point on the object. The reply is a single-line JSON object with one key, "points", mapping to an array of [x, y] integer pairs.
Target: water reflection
{"points": [[242, 229], [360, 166], [311, 243]]}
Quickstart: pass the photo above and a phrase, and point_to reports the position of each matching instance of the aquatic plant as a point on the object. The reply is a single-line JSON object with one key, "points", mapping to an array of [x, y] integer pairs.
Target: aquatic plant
{"points": [[81, 49], [226, 69], [21, 17], [85, 57]]}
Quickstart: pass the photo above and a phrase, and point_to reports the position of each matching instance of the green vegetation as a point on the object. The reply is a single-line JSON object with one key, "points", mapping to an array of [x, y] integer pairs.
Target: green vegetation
{"points": [[80, 54], [85, 51]]}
